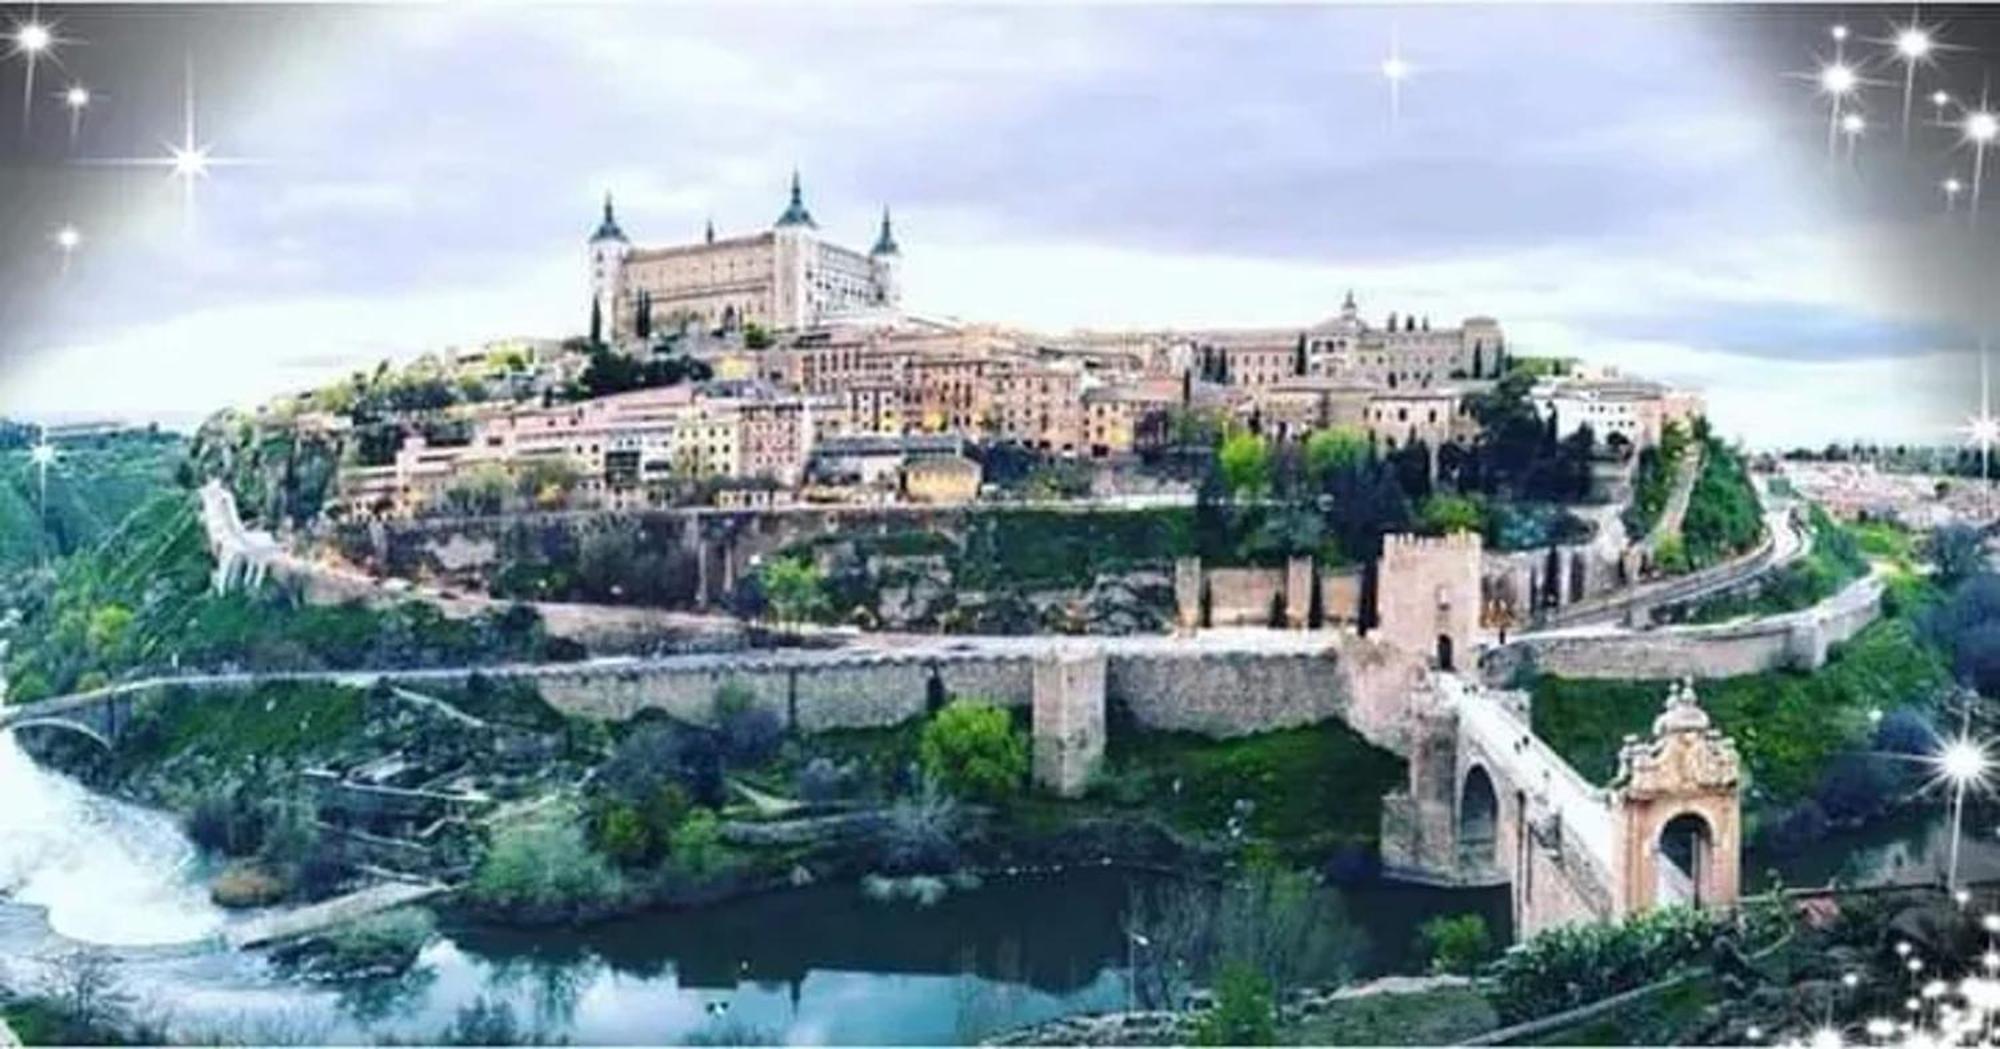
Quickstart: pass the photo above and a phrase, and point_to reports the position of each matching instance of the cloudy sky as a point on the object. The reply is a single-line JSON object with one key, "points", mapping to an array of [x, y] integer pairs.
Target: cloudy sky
{"points": [[1647, 187]]}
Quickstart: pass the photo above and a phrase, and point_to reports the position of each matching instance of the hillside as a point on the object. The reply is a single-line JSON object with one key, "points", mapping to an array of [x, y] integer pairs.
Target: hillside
{"points": [[92, 486]]}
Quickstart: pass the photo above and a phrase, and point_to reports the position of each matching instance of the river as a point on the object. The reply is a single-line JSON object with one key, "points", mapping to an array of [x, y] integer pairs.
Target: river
{"points": [[819, 964]]}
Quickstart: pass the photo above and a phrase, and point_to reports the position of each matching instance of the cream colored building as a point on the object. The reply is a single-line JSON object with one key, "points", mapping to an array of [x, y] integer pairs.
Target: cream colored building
{"points": [[788, 277]]}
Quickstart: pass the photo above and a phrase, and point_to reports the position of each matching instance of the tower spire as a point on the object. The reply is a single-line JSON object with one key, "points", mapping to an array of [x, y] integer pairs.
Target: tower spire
{"points": [[885, 242], [795, 212], [608, 229]]}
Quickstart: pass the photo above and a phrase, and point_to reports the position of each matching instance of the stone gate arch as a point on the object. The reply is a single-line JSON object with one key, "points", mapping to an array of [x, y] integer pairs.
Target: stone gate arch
{"points": [[1677, 802], [1685, 864]]}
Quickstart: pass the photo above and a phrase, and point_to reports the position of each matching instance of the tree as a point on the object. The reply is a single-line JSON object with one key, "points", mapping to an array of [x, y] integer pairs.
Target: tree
{"points": [[1245, 461], [1336, 449], [1957, 552], [795, 588], [973, 749], [1455, 944], [756, 337], [1445, 514]]}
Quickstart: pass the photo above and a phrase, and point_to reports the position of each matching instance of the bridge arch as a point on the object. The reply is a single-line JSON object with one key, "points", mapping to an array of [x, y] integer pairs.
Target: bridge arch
{"points": [[1478, 821], [63, 724]]}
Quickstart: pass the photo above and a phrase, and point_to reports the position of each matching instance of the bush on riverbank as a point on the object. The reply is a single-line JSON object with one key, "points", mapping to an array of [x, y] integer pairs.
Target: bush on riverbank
{"points": [[1456, 944], [972, 748], [543, 872], [376, 946]]}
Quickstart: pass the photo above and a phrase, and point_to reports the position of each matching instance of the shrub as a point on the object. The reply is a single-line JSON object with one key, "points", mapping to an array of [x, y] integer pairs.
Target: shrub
{"points": [[543, 869], [820, 781], [697, 842], [1456, 944], [1571, 965], [973, 750], [919, 833], [750, 734], [1245, 1011], [381, 944], [246, 885]]}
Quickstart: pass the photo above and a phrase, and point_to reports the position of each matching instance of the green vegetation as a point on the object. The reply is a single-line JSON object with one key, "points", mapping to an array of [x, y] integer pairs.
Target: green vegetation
{"points": [[377, 945], [1808, 741], [140, 601], [795, 589], [1653, 481], [1573, 965], [1724, 517], [1245, 461], [1836, 559], [973, 749], [543, 870], [1308, 791], [1444, 513], [274, 720], [91, 487], [1052, 548], [1447, 1016], [1245, 1011], [1457, 943]]}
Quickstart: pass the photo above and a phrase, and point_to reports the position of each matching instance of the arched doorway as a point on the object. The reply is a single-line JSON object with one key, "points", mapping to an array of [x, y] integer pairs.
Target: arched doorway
{"points": [[1686, 850], [1478, 822], [1444, 652]]}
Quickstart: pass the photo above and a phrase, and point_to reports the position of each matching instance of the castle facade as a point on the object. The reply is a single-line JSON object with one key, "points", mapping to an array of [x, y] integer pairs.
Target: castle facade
{"points": [[785, 278]]}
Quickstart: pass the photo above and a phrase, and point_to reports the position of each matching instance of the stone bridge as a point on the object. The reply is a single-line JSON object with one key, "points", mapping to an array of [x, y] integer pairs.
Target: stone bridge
{"points": [[1490, 803]]}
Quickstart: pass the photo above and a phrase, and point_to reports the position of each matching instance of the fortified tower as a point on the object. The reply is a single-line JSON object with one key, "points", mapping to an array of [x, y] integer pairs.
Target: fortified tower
{"points": [[1427, 597], [1677, 807], [886, 260], [796, 236], [608, 248]]}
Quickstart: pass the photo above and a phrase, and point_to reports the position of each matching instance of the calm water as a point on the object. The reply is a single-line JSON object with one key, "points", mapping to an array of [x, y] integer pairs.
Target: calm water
{"points": [[822, 964]]}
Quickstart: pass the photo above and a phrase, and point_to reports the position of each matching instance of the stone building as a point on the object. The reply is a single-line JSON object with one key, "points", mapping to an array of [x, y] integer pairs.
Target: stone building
{"points": [[788, 277]]}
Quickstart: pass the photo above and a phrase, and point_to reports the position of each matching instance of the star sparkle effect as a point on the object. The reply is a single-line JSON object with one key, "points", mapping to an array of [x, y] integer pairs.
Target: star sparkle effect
{"points": [[67, 239], [76, 99], [188, 161], [33, 40], [1396, 69], [1979, 128], [1915, 45]]}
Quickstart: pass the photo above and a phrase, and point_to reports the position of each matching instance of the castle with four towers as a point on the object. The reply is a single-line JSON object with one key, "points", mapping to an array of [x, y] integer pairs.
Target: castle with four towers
{"points": [[785, 277]]}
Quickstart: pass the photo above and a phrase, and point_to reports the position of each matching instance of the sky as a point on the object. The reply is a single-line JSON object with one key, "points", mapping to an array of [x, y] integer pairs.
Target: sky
{"points": [[1645, 187]]}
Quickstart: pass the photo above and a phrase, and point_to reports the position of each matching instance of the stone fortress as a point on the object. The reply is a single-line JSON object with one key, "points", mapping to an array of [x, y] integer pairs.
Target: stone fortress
{"points": [[787, 277]]}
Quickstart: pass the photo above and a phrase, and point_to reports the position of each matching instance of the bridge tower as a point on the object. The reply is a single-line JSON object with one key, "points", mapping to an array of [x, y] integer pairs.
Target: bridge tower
{"points": [[1677, 811], [1428, 596]]}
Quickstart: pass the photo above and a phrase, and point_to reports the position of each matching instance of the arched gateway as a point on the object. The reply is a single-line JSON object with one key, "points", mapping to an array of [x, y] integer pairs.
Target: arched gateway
{"points": [[1678, 812]]}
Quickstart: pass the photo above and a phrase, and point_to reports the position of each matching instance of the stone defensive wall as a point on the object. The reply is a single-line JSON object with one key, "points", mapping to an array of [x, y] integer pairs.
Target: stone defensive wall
{"points": [[1204, 686], [1211, 692], [1794, 641]]}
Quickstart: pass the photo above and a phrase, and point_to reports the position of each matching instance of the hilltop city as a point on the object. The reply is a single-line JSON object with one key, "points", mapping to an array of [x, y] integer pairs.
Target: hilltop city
{"points": [[779, 366], [1371, 679]]}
